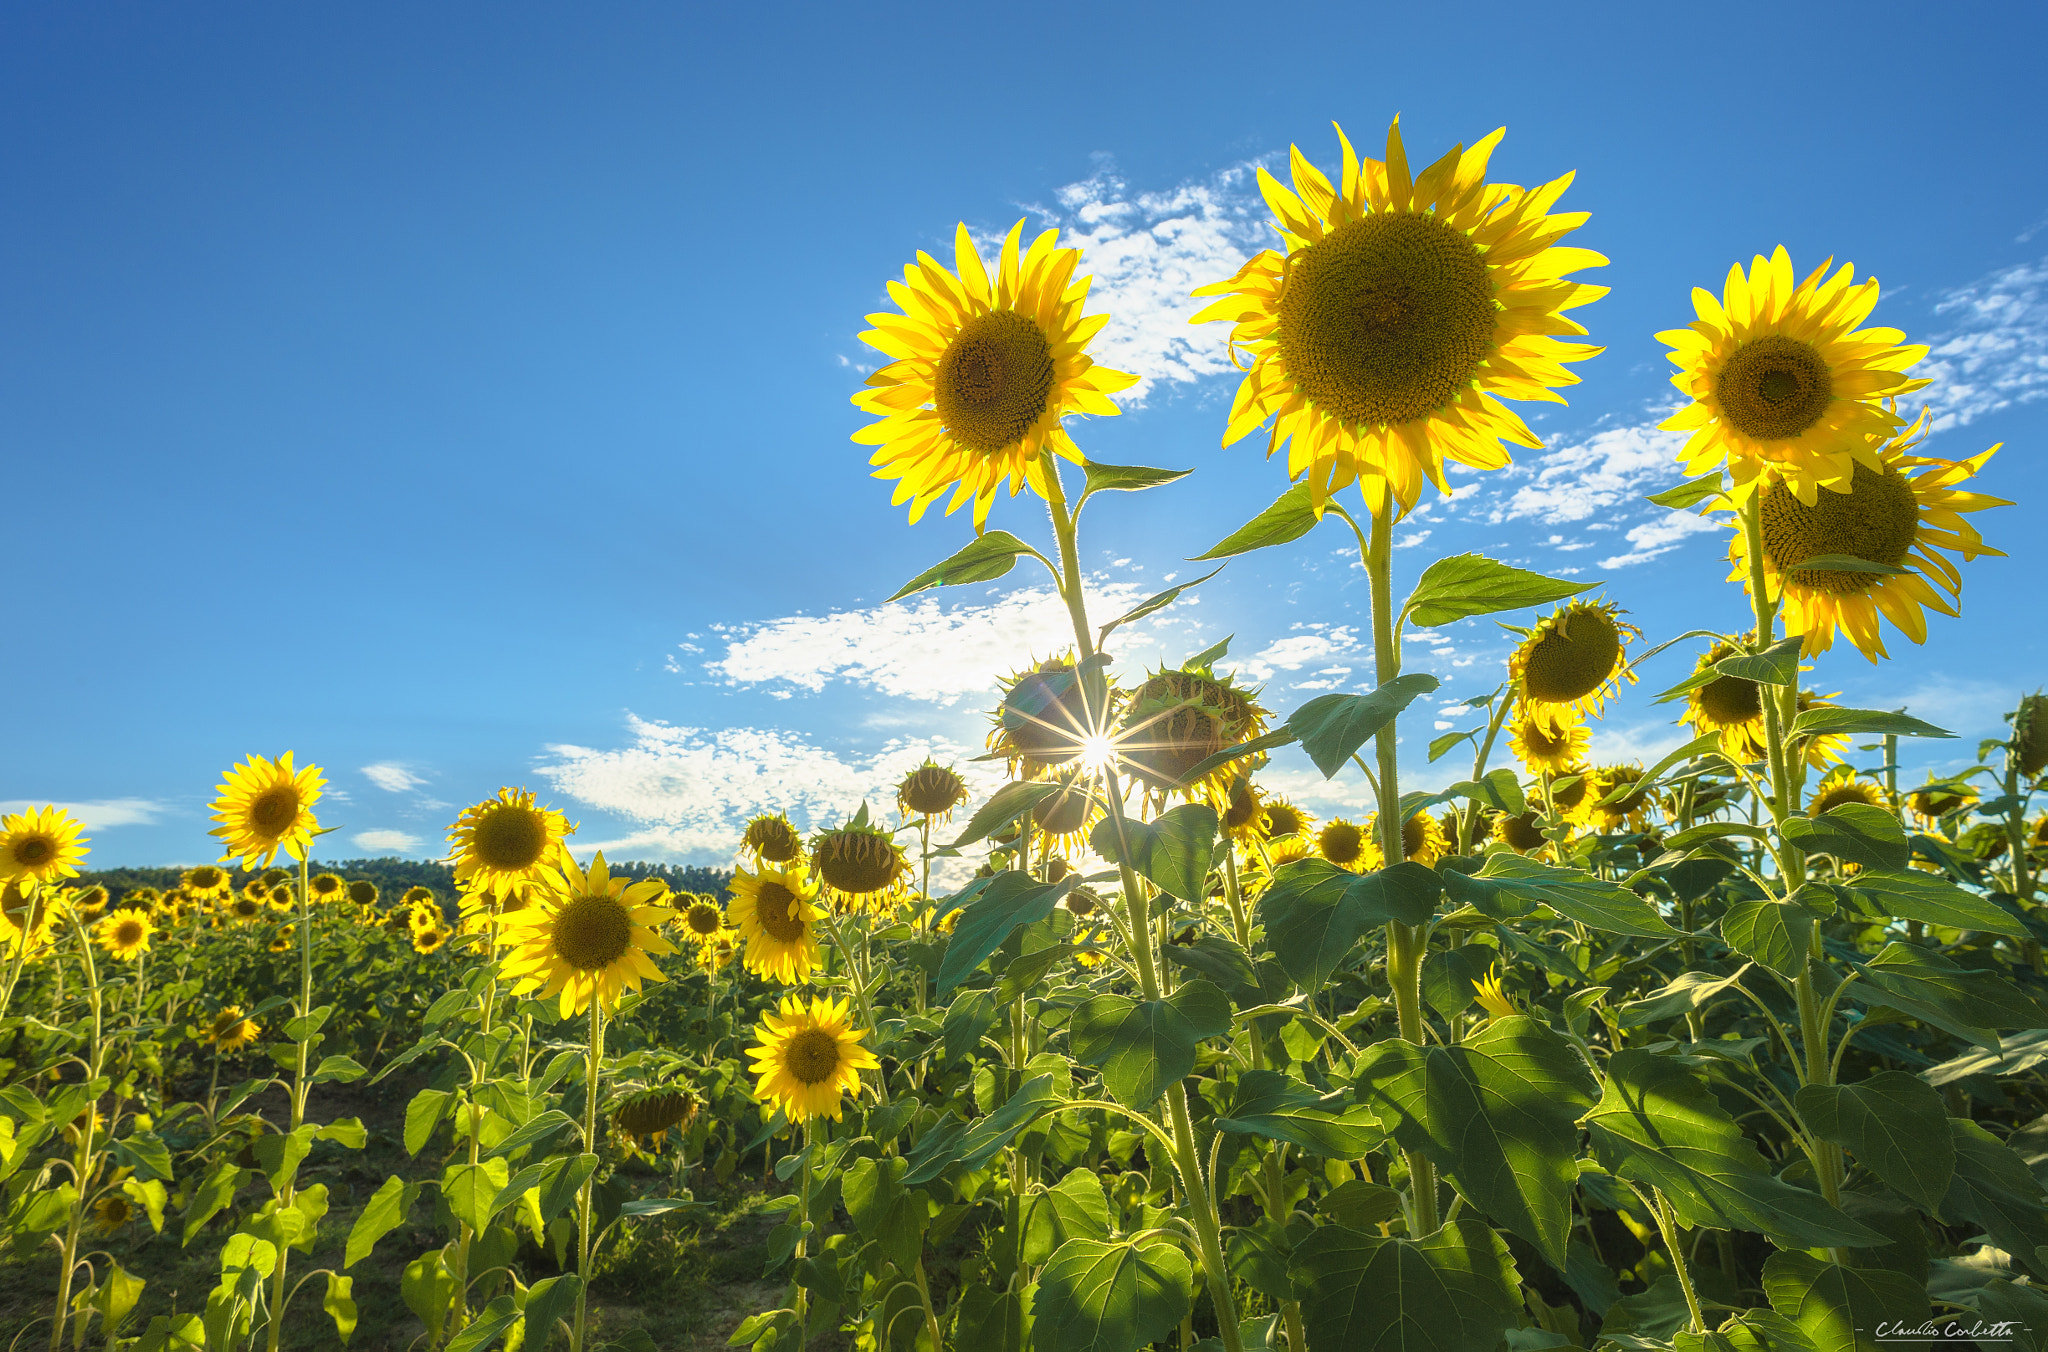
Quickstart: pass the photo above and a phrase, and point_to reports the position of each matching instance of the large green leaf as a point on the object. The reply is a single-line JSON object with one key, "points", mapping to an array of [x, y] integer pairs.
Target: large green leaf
{"points": [[1222, 961], [1012, 900], [1333, 726], [1854, 832], [1142, 1046], [1895, 1124], [1922, 896], [1993, 1188], [1838, 1307], [1292, 515], [1281, 1108], [982, 559], [385, 1212], [1472, 584], [1128, 478], [948, 1144], [1173, 852], [2023, 1051], [1313, 911], [1775, 665], [1453, 1291], [1572, 893], [884, 1210], [1499, 790], [1659, 1124], [1775, 933], [1074, 1208], [1497, 1114], [1827, 719], [1004, 806], [1101, 1296], [1971, 1004]]}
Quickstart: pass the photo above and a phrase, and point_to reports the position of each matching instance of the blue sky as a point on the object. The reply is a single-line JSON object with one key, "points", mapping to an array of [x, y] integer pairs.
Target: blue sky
{"points": [[457, 395]]}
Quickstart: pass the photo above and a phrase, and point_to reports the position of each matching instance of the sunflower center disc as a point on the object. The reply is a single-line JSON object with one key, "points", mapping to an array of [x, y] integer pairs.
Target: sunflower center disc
{"points": [[775, 908], [510, 837], [1384, 320], [704, 919], [276, 810], [1573, 659], [128, 932], [1342, 843], [35, 851], [995, 381], [1731, 700], [813, 1056], [1774, 388], [1877, 520], [593, 932], [1414, 834]]}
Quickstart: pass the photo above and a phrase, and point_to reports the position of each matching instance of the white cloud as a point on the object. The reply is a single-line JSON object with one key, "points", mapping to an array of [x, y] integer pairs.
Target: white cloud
{"points": [[391, 776], [1660, 535], [1647, 742], [1315, 643], [1997, 353], [100, 815], [1609, 468], [921, 650], [386, 842]]}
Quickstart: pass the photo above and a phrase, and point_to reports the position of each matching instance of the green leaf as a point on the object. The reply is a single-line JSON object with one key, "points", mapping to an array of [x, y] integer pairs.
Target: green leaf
{"points": [[1775, 933], [1843, 563], [2023, 1051], [1690, 493], [385, 1212], [1152, 604], [1994, 1189], [1012, 900], [345, 1131], [1922, 896], [1454, 1291], [280, 1154], [939, 1149], [1128, 478], [1839, 1308], [214, 1192], [487, 1326], [1222, 961], [885, 1211], [983, 559], [547, 1301], [539, 1131], [1333, 726], [1257, 1256], [971, 1014], [1281, 1108], [1497, 1114], [993, 1320], [1439, 745], [147, 1155], [1856, 833], [1500, 791], [1174, 852], [1313, 912], [342, 1069], [422, 1115], [1101, 1296], [1659, 1124], [1291, 516], [1472, 584], [1894, 1123], [1973, 1005], [2024, 1308], [1775, 665], [1143, 1046], [1076, 1208], [1229, 755], [1572, 893], [1004, 806], [1819, 722], [470, 1189]]}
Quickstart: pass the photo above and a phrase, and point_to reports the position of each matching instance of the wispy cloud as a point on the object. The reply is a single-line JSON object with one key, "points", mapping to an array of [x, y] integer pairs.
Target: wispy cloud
{"points": [[1313, 644], [392, 777], [1661, 534], [386, 842], [99, 815], [1995, 354], [1607, 469]]}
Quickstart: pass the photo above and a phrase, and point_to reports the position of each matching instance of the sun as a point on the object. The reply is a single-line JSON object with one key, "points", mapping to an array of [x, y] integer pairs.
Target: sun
{"points": [[266, 806], [807, 1058]]}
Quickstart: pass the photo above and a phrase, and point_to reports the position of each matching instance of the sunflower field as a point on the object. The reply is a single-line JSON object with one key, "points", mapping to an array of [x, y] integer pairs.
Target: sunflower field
{"points": [[1740, 1051]]}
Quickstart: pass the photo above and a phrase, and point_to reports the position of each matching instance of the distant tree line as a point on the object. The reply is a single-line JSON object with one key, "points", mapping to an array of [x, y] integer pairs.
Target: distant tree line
{"points": [[393, 876]]}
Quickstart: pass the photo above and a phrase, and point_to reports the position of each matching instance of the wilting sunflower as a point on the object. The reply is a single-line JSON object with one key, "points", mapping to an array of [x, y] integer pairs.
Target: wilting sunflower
{"points": [[1903, 514], [1781, 378], [1403, 309], [125, 933], [931, 790], [1422, 841], [589, 939], [984, 373], [1523, 833], [1573, 658], [1064, 818], [417, 896], [430, 939], [807, 1058], [328, 887], [265, 806], [651, 1112], [228, 1031], [1631, 808], [2030, 734], [112, 1211], [1939, 798], [1552, 740], [506, 841], [858, 860], [204, 882], [1043, 720], [772, 839], [702, 920], [1284, 818], [40, 845], [1343, 843], [774, 912], [1179, 718], [1837, 790], [1244, 813]]}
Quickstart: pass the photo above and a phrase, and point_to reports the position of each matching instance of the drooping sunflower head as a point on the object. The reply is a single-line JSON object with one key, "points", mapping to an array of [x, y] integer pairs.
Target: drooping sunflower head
{"points": [[591, 937], [91, 901], [775, 912], [1524, 833], [507, 841], [1042, 722], [1403, 307], [1082, 902], [1177, 719], [2030, 734], [418, 896], [806, 1058], [1285, 818], [1063, 818], [1939, 798], [148, 898], [772, 839], [984, 372], [1615, 801], [125, 933], [703, 920], [228, 1031], [858, 860], [1553, 738], [1422, 841], [1244, 813], [112, 1211], [265, 806], [1836, 790], [328, 887], [362, 893], [40, 845], [1574, 658], [1728, 705], [1904, 513], [204, 882], [652, 1112], [931, 790], [1781, 378]]}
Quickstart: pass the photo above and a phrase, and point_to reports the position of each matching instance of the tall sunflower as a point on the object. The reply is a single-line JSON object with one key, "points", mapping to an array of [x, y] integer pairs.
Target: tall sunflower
{"points": [[772, 839], [40, 845], [1422, 841], [808, 1058], [1179, 718], [703, 920], [1781, 378], [1343, 843], [125, 933], [1574, 658], [774, 910], [1631, 808], [984, 373], [1403, 308], [265, 806], [204, 882], [1553, 740], [1844, 787], [931, 790], [1905, 513], [28, 915], [1063, 819], [508, 841], [589, 939], [1728, 705], [859, 861]]}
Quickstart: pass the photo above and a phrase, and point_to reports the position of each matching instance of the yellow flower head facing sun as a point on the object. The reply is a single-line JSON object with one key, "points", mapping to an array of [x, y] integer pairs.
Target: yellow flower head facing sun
{"points": [[775, 911], [125, 933], [589, 938], [205, 882], [1905, 513], [1728, 705], [1403, 308], [985, 371], [509, 841], [265, 806], [806, 1058], [40, 846], [1781, 378]]}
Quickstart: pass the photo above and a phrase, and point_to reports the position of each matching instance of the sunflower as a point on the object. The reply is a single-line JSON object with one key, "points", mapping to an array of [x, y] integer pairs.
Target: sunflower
{"points": [[1284, 818], [2030, 734], [858, 860], [363, 893], [1244, 812], [1836, 790], [245, 906], [931, 790], [125, 933], [1043, 720], [1487, 991], [111, 1212], [90, 902], [1939, 798], [1064, 818], [204, 882], [984, 373], [1781, 379], [417, 896], [1552, 740], [1179, 718], [1343, 843], [703, 920], [589, 939], [145, 899], [651, 1112], [1403, 309], [1522, 833], [1422, 841], [429, 939], [1818, 750], [28, 914], [774, 911], [1571, 793], [40, 845], [284, 939], [328, 887], [1448, 823], [1631, 809], [228, 1031], [507, 840], [266, 806], [807, 1058], [772, 839], [1574, 659], [715, 955], [1902, 513], [1271, 857], [422, 915], [279, 897]]}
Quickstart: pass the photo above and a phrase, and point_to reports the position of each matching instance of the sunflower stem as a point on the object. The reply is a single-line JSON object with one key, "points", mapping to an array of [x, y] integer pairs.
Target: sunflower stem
{"points": [[583, 1194]]}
